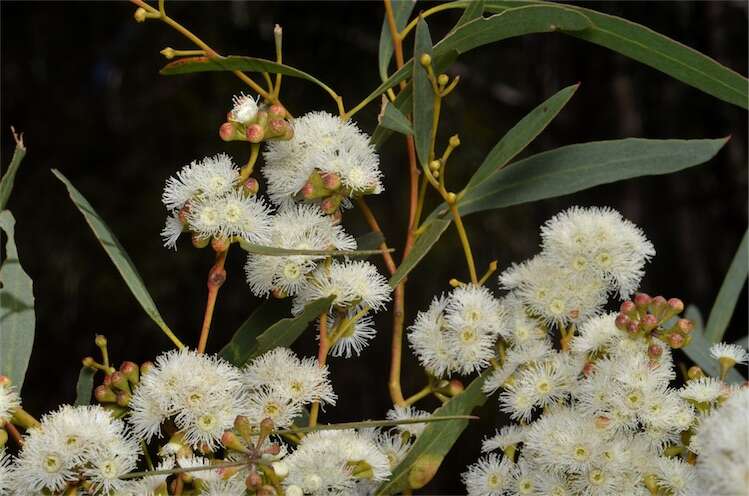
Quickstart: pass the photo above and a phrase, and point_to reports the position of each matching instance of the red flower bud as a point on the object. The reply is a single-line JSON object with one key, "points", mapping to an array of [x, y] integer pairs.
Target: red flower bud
{"points": [[621, 322], [676, 305], [642, 300], [675, 340], [255, 133], [655, 351], [648, 322], [226, 131], [627, 307]]}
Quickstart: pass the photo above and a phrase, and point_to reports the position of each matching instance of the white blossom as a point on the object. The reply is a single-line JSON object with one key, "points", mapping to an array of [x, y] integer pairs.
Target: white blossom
{"points": [[244, 109]]}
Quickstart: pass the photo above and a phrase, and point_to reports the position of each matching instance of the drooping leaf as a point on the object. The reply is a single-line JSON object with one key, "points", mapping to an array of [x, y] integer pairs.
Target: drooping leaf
{"points": [[430, 448], [577, 167], [8, 178], [189, 65], [473, 10], [17, 317], [699, 349], [655, 50], [239, 349], [118, 255], [285, 331], [394, 120], [370, 241], [85, 386], [423, 99], [401, 11], [421, 247], [521, 135], [508, 24], [730, 290]]}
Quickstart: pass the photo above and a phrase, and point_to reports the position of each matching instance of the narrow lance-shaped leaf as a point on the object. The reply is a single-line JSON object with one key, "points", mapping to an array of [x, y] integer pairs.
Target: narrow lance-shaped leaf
{"points": [[423, 100], [7, 180], [401, 12], [17, 317], [659, 52], [521, 135], [239, 349], [699, 349], [393, 119], [370, 241], [118, 255], [473, 10], [189, 65], [85, 386], [285, 331], [730, 290], [426, 455], [421, 247], [574, 168]]}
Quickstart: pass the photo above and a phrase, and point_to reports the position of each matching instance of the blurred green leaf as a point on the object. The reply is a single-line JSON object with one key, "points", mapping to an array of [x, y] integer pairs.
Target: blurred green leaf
{"points": [[401, 12], [370, 241], [577, 167], [188, 65], [118, 255], [284, 332], [239, 349], [430, 448], [659, 52], [730, 290], [85, 386], [699, 349], [394, 120], [423, 99], [421, 247], [17, 317], [7, 180], [521, 135]]}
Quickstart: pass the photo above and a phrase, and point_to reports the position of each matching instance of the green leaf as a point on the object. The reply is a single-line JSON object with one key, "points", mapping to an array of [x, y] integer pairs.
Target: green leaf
{"points": [[473, 11], [118, 255], [17, 317], [508, 24], [370, 241], [521, 135], [577, 167], [430, 448], [725, 303], [6, 181], [657, 51], [699, 349], [393, 119], [401, 12], [189, 65], [421, 247], [85, 386], [423, 99], [282, 333], [239, 349]]}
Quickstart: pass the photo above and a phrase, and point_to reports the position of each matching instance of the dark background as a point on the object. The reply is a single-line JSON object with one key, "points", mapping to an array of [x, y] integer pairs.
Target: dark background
{"points": [[80, 79]]}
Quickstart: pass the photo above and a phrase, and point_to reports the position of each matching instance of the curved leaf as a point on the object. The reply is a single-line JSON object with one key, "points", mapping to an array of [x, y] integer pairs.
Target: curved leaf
{"points": [[421, 247], [393, 119], [17, 317], [472, 11], [730, 290], [401, 12], [430, 448], [657, 51], [6, 181], [118, 255], [189, 65], [521, 135], [85, 386], [423, 99], [576, 167], [239, 349]]}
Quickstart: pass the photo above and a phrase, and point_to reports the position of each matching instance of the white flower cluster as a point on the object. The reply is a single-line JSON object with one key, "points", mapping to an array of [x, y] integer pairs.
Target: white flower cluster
{"points": [[599, 417], [586, 255], [203, 199], [9, 400], [326, 149], [73, 444], [458, 332]]}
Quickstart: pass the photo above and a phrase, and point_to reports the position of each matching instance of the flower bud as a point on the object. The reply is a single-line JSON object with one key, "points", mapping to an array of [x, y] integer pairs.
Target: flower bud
{"points": [[425, 59], [685, 326], [120, 382], [219, 244], [253, 481], [107, 380], [199, 242], [266, 490], [226, 131], [633, 327], [658, 306], [695, 372], [456, 387], [273, 450], [278, 293], [231, 441], [435, 165], [648, 322], [277, 111], [251, 186], [442, 80], [278, 127], [331, 180], [627, 308], [330, 205], [588, 368], [266, 427], [130, 370], [676, 305], [123, 398], [101, 341], [655, 351], [675, 340], [88, 362], [104, 394], [621, 322], [146, 367], [140, 14], [242, 424], [454, 141], [602, 422], [642, 300], [255, 133], [451, 198], [4, 380]]}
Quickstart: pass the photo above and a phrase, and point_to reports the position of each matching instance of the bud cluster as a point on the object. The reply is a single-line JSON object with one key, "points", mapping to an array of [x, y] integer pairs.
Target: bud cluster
{"points": [[647, 317], [116, 389], [249, 445], [248, 122]]}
